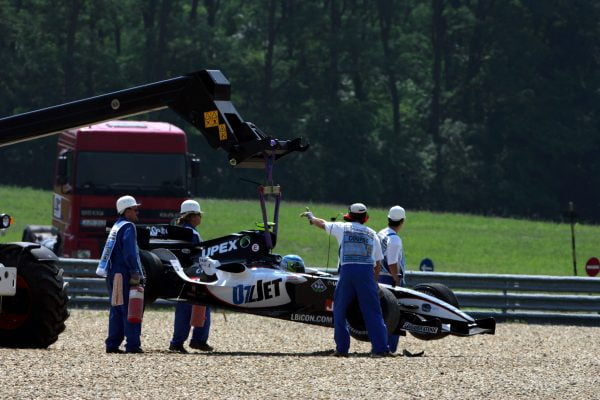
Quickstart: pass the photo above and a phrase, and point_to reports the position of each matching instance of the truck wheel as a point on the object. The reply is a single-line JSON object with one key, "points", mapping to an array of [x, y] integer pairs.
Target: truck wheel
{"points": [[441, 292], [389, 309], [36, 315]]}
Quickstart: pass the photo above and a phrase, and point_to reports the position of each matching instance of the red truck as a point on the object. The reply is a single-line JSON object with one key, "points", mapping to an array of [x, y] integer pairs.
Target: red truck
{"points": [[97, 164]]}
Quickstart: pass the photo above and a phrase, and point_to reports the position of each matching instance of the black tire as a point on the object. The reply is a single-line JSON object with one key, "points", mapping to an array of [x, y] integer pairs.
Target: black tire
{"points": [[389, 309], [441, 292], [36, 315], [153, 270], [161, 282]]}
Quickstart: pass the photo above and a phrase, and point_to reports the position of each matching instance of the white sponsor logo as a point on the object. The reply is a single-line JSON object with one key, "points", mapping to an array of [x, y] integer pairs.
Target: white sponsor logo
{"points": [[158, 230], [224, 247], [418, 328], [315, 319]]}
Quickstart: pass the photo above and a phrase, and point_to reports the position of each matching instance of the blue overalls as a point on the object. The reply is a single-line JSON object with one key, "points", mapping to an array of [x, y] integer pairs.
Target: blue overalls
{"points": [[121, 255], [183, 315], [386, 278], [357, 281]]}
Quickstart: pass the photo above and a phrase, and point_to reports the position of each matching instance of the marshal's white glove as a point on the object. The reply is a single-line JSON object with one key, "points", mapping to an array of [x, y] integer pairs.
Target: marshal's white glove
{"points": [[308, 214], [209, 266]]}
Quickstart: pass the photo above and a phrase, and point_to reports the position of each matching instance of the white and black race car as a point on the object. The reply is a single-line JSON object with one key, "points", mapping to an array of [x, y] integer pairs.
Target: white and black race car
{"points": [[249, 280]]}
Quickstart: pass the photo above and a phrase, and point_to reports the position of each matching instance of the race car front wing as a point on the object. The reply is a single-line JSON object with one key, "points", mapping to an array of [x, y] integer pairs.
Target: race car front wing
{"points": [[415, 324]]}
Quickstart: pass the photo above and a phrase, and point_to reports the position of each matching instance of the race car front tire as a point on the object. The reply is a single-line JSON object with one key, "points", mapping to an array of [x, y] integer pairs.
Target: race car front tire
{"points": [[441, 292]]}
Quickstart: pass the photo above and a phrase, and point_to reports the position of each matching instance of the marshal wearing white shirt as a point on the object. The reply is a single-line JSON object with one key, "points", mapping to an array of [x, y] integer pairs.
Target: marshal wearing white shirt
{"points": [[393, 265], [393, 253]]}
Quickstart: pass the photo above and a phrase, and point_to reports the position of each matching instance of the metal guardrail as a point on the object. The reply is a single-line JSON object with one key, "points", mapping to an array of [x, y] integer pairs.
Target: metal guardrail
{"points": [[527, 298], [86, 289], [545, 299], [540, 283]]}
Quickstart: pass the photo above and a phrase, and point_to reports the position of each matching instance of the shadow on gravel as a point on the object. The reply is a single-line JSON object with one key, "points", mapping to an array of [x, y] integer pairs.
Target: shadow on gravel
{"points": [[325, 353], [322, 353], [248, 353]]}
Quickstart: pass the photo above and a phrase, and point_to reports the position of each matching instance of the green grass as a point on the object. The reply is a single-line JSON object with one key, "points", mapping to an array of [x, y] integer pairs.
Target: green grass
{"points": [[455, 242]]}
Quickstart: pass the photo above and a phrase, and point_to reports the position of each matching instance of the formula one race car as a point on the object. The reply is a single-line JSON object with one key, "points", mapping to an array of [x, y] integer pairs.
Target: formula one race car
{"points": [[248, 279]]}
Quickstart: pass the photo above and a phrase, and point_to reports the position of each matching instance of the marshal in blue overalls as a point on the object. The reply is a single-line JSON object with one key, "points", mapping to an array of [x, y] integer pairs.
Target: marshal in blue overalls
{"points": [[183, 314], [121, 256], [190, 218], [359, 251]]}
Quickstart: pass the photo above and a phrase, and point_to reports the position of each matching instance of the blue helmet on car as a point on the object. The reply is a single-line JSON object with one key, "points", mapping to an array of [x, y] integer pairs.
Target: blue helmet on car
{"points": [[292, 263]]}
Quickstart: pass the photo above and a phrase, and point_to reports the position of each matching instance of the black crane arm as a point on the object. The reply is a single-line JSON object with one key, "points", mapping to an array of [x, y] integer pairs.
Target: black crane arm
{"points": [[202, 98]]}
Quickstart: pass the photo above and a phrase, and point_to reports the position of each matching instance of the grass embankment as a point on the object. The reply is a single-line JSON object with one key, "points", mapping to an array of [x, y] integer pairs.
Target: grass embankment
{"points": [[455, 242]]}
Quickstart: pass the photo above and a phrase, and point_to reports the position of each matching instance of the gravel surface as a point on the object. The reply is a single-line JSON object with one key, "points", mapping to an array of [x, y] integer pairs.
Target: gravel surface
{"points": [[257, 357]]}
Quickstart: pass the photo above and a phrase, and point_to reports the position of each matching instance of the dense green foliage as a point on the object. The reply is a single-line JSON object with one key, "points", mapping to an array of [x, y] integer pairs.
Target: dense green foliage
{"points": [[478, 106], [455, 242]]}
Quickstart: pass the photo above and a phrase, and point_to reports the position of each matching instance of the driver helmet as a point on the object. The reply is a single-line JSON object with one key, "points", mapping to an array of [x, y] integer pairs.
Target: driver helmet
{"points": [[292, 263]]}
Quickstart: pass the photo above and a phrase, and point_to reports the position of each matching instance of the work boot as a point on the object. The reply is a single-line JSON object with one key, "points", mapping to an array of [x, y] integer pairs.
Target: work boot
{"points": [[201, 346], [134, 351], [178, 348], [114, 351]]}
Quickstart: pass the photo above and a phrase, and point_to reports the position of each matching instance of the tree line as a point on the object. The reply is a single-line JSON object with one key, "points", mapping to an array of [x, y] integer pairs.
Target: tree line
{"points": [[478, 106]]}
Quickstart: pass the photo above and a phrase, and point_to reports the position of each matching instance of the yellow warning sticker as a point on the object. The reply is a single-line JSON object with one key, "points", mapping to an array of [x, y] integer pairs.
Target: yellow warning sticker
{"points": [[211, 119], [222, 132]]}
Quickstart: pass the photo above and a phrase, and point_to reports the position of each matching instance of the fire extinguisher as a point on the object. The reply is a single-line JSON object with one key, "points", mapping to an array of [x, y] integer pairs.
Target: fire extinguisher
{"points": [[198, 316], [135, 309]]}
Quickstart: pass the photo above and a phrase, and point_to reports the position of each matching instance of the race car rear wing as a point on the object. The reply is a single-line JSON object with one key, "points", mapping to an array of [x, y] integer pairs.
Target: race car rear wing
{"points": [[201, 98]]}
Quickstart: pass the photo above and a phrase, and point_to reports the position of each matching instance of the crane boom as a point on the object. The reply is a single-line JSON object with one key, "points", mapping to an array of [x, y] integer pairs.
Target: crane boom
{"points": [[201, 98]]}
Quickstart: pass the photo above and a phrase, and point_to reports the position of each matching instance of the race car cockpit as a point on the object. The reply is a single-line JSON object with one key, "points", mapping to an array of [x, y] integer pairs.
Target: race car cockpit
{"points": [[292, 263]]}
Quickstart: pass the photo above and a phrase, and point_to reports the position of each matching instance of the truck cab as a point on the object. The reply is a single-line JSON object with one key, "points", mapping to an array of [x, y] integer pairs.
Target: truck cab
{"points": [[99, 163]]}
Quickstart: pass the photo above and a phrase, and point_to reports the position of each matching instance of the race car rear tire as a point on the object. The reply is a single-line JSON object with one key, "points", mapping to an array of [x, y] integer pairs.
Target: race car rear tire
{"points": [[153, 270], [161, 281], [36, 315], [389, 309], [441, 292]]}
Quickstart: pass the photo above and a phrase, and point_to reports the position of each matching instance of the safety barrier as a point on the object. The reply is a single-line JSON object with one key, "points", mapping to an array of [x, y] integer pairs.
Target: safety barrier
{"points": [[527, 298], [85, 288]]}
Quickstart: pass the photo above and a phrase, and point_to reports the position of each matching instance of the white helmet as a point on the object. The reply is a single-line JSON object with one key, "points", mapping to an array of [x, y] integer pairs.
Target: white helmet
{"points": [[190, 206], [397, 213], [357, 208], [125, 202]]}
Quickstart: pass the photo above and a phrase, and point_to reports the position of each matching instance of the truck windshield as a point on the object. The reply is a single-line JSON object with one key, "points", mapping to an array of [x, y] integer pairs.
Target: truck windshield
{"points": [[133, 173]]}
